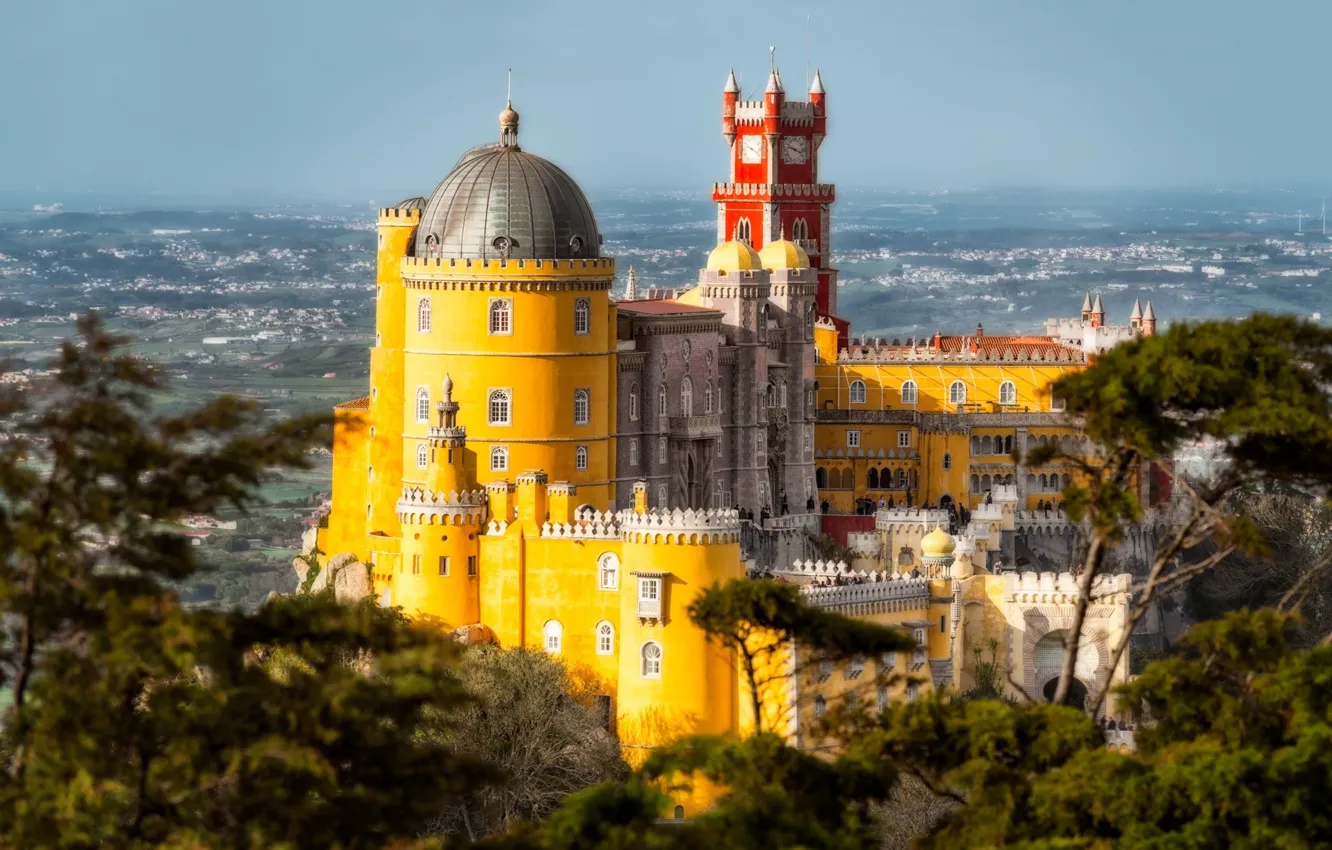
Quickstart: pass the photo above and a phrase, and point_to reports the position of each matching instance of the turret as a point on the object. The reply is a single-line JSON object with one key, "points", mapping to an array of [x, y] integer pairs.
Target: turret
{"points": [[730, 95], [817, 96], [631, 286], [773, 97], [448, 441], [1086, 307], [1135, 318], [1097, 312], [1149, 321]]}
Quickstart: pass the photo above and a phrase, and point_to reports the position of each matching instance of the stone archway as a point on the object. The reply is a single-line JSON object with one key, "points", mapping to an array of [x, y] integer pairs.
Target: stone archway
{"points": [[1077, 693], [1043, 651]]}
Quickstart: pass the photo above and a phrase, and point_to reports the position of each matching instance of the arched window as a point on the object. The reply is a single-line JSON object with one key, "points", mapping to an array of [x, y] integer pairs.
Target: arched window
{"points": [[422, 455], [1008, 445], [501, 316], [661, 496], [633, 453], [910, 392], [957, 393], [772, 396], [580, 458], [686, 397], [947, 461], [663, 401], [857, 392], [422, 404], [821, 478], [651, 655], [799, 229], [423, 315], [500, 409], [499, 459], [763, 323], [901, 479], [987, 445], [975, 483], [848, 479], [661, 450], [707, 397], [582, 407], [608, 571], [554, 633], [582, 316], [633, 402], [985, 483], [605, 638], [743, 231], [1008, 393], [872, 479], [820, 707], [975, 444], [679, 812]]}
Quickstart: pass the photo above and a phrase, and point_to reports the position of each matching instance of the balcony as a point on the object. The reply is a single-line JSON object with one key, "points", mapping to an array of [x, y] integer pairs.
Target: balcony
{"points": [[705, 427], [809, 246]]}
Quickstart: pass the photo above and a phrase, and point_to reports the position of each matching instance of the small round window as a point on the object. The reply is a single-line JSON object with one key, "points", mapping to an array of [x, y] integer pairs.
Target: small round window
{"points": [[576, 245]]}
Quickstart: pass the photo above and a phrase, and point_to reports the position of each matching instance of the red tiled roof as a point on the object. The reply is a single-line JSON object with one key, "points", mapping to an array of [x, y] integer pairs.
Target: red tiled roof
{"points": [[661, 307], [362, 403]]}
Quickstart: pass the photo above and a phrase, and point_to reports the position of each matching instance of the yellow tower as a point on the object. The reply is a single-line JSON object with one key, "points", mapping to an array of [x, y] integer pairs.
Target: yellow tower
{"points": [[437, 577], [673, 679], [506, 290]]}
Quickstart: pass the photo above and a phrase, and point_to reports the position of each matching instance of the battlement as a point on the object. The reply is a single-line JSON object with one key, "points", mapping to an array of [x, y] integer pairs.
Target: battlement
{"points": [[795, 113], [897, 518], [886, 454], [447, 267], [682, 526], [875, 593], [605, 526], [1043, 522], [395, 216], [823, 192], [825, 323], [719, 283], [1046, 353], [1062, 588], [419, 506]]}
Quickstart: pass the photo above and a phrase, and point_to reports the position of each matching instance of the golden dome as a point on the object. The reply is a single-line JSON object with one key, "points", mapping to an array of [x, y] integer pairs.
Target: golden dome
{"points": [[733, 256], [937, 544], [783, 254]]}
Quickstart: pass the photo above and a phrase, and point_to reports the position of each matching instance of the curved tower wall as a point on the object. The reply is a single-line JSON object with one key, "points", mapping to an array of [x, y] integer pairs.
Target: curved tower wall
{"points": [[542, 361]]}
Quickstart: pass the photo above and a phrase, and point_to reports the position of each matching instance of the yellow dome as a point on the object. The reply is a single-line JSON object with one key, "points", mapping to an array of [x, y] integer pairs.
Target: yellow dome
{"points": [[733, 256], [937, 544], [783, 254]]}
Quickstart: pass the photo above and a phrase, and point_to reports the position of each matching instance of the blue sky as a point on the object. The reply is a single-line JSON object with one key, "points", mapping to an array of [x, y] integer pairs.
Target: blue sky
{"points": [[372, 99]]}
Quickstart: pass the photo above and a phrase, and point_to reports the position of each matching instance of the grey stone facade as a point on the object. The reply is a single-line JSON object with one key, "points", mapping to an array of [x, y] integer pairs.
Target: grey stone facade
{"points": [[716, 393]]}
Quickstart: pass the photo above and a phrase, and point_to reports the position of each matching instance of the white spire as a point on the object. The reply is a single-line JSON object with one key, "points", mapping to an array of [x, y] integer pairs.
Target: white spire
{"points": [[816, 87], [1096, 305], [631, 286], [1086, 303], [774, 80], [1137, 310], [732, 87], [1149, 315]]}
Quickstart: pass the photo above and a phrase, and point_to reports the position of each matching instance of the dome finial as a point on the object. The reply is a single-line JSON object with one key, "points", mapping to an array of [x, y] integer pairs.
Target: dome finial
{"points": [[509, 118]]}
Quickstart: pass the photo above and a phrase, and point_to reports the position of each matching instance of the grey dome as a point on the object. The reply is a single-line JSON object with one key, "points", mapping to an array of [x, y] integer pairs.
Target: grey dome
{"points": [[410, 204], [502, 202]]}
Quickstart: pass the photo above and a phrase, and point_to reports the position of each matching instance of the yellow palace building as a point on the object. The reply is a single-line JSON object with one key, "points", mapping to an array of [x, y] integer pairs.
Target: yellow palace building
{"points": [[570, 470]]}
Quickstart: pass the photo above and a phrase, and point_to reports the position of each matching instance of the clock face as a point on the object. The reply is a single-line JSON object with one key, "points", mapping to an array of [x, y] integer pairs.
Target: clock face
{"points": [[751, 149], [795, 150]]}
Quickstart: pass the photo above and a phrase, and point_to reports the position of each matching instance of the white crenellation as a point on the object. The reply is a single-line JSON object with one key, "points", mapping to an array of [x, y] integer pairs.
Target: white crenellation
{"points": [[1062, 588], [681, 526], [419, 506]]}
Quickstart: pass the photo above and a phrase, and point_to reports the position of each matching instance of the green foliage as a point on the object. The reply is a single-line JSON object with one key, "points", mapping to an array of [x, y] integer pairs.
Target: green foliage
{"points": [[134, 722], [987, 674], [538, 725]]}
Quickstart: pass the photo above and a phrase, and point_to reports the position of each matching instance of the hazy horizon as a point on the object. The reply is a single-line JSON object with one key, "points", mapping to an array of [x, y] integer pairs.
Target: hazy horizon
{"points": [[347, 103]]}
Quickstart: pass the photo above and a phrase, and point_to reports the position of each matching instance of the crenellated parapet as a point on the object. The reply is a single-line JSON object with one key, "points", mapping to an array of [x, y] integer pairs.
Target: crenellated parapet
{"points": [[876, 594], [681, 526], [901, 519], [605, 526], [924, 354], [1062, 588], [419, 506], [821, 192]]}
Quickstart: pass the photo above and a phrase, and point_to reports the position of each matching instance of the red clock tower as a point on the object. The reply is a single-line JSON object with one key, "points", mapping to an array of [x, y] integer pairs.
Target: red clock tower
{"points": [[774, 188]]}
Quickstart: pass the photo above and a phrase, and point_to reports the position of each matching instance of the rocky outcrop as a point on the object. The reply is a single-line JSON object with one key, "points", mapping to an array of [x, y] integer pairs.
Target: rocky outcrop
{"points": [[348, 578]]}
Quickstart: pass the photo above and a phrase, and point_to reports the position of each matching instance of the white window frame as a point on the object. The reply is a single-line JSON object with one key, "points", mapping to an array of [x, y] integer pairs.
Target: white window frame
{"points": [[707, 397], [423, 310], [633, 452], [904, 439], [608, 572], [422, 455], [1057, 404], [423, 404], [582, 406], [661, 450], [857, 392], [650, 656], [633, 402], [920, 654], [553, 637], [580, 458], [1008, 393], [499, 459], [506, 395], [820, 707], [957, 392], [443, 565], [605, 638], [913, 691], [686, 397], [663, 401], [853, 439], [910, 392], [499, 317], [582, 316]]}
